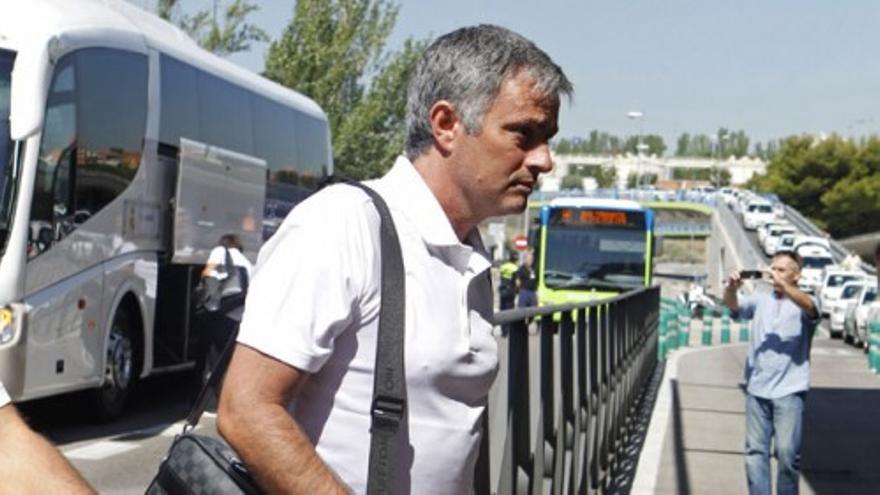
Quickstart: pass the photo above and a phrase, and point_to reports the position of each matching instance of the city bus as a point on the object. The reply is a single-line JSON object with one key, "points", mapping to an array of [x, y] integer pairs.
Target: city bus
{"points": [[126, 151], [592, 249]]}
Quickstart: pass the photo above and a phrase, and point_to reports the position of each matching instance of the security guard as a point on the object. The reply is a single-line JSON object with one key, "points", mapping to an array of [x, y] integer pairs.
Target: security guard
{"points": [[507, 287]]}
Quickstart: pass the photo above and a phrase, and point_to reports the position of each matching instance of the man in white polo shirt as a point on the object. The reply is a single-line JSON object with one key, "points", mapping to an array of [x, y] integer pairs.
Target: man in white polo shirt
{"points": [[482, 107], [28, 463]]}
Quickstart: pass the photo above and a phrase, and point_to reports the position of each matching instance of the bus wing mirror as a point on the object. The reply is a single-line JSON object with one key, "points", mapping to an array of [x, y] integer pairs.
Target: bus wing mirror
{"points": [[30, 83]]}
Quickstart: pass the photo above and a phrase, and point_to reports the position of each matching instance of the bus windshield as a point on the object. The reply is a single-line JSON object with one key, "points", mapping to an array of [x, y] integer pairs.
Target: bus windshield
{"points": [[6, 182], [582, 256]]}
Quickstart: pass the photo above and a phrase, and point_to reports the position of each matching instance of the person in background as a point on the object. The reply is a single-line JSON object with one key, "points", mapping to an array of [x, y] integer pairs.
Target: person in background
{"points": [[30, 464], [507, 287], [219, 327], [777, 371], [527, 282]]}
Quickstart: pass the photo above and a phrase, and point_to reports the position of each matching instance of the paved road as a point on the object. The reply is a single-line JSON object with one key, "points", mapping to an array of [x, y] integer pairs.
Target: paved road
{"points": [[699, 448], [121, 457]]}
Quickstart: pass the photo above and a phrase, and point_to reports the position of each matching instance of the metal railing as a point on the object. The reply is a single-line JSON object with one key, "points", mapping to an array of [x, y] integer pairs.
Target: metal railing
{"points": [[592, 362], [748, 254]]}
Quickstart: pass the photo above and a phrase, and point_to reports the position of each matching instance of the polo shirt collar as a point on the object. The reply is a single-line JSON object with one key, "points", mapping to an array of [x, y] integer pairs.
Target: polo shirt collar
{"points": [[405, 188]]}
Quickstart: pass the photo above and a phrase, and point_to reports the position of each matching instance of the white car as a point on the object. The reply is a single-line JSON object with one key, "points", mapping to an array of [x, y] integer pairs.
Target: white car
{"points": [[774, 236], [865, 310], [839, 307], [811, 240], [727, 195], [815, 260], [756, 214], [764, 228], [786, 243], [833, 280]]}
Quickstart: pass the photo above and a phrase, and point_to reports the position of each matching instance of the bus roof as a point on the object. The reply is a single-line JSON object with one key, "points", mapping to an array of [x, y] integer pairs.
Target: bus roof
{"points": [[117, 23], [610, 204]]}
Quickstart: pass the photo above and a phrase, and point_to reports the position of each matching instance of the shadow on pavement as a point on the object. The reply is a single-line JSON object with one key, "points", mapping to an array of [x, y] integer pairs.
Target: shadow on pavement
{"points": [[157, 402], [842, 440]]}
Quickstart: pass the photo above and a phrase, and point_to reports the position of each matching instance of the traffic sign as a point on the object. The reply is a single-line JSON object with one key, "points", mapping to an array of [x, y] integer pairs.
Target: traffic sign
{"points": [[520, 243]]}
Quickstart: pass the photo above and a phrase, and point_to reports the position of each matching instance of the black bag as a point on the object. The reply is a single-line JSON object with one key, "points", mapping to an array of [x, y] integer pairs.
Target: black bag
{"points": [[198, 464], [226, 291]]}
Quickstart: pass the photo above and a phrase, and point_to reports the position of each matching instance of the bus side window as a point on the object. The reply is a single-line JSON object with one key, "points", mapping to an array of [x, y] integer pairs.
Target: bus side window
{"points": [[52, 183], [93, 133]]}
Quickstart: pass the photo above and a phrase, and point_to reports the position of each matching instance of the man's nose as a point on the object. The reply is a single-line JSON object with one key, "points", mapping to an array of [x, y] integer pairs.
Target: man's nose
{"points": [[539, 158]]}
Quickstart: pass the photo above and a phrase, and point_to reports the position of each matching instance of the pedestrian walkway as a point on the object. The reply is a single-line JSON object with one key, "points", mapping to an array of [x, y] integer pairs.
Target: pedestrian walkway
{"points": [[697, 432]]}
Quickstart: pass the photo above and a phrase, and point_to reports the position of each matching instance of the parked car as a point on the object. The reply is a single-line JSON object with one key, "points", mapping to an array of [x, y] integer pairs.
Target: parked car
{"points": [[815, 259], [757, 213], [774, 236], [833, 280], [839, 307], [786, 242], [858, 315], [811, 240]]}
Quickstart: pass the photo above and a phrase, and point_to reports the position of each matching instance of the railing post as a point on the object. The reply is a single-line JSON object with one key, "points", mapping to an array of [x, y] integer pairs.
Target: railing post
{"points": [[874, 346], [661, 335], [672, 330], [707, 328], [743, 330], [684, 326], [725, 325]]}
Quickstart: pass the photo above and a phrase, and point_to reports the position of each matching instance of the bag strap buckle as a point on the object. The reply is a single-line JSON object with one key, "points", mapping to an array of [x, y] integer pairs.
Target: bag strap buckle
{"points": [[387, 412]]}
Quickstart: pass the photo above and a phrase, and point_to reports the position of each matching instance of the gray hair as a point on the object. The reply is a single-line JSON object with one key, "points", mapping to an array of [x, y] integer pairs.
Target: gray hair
{"points": [[467, 67]]}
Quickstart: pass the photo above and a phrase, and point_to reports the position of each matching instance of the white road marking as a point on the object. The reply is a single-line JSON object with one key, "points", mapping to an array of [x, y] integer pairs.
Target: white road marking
{"points": [[99, 450]]}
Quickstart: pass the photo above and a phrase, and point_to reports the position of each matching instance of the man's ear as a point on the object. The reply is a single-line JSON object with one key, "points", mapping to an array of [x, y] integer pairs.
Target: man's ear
{"points": [[445, 125]]}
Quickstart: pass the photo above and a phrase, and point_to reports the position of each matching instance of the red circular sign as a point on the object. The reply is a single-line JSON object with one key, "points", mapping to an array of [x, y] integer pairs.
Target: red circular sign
{"points": [[520, 243]]}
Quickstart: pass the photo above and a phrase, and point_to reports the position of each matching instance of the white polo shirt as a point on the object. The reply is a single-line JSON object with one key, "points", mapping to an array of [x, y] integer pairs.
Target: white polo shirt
{"points": [[314, 304], [4, 396]]}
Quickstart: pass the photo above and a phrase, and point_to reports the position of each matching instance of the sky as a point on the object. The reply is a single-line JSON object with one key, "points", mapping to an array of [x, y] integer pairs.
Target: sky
{"points": [[772, 69]]}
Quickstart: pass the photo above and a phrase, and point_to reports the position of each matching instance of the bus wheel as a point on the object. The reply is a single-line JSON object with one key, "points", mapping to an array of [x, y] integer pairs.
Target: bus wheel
{"points": [[119, 373]]}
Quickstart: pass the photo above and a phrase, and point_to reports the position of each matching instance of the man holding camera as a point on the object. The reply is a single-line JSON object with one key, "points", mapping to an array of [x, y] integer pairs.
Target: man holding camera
{"points": [[777, 370]]}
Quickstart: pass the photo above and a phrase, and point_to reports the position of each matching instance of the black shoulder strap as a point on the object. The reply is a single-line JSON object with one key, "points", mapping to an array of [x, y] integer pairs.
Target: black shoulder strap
{"points": [[389, 380]]}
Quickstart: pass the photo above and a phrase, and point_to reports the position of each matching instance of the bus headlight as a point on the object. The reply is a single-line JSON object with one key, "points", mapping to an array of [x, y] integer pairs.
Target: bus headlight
{"points": [[7, 326]]}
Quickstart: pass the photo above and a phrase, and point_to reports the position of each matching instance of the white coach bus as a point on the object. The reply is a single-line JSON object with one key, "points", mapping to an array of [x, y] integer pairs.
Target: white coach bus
{"points": [[126, 151]]}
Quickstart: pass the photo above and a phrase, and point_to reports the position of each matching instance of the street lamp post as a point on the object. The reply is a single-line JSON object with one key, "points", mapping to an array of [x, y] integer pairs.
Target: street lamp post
{"points": [[638, 115]]}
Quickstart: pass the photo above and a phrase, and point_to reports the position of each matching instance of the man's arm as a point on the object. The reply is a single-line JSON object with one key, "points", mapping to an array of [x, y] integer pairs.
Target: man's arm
{"points": [[253, 418], [29, 464], [799, 297], [734, 282]]}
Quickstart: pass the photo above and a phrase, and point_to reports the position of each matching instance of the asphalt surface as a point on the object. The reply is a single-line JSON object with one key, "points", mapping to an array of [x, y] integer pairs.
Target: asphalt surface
{"points": [[700, 417], [123, 456]]}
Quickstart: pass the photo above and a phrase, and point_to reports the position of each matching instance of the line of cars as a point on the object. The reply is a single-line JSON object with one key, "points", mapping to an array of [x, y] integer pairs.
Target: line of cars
{"points": [[847, 296]]}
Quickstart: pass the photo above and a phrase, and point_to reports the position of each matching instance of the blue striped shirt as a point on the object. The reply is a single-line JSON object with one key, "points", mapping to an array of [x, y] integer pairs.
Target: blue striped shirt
{"points": [[778, 361]]}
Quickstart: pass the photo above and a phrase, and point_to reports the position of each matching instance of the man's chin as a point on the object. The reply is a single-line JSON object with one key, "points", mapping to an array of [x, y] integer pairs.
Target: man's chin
{"points": [[512, 205]]}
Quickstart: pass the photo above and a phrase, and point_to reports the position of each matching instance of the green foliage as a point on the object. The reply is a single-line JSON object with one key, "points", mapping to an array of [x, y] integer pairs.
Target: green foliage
{"points": [[605, 176], [633, 179], [602, 143], [571, 181], [834, 182], [723, 144], [328, 52], [233, 35]]}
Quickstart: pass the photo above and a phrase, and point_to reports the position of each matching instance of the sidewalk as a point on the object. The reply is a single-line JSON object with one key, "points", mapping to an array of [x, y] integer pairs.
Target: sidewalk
{"points": [[697, 432]]}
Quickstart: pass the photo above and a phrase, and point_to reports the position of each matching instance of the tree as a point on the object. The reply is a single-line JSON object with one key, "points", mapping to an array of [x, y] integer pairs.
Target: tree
{"points": [[232, 36], [329, 51], [834, 182], [572, 181]]}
